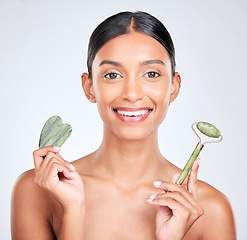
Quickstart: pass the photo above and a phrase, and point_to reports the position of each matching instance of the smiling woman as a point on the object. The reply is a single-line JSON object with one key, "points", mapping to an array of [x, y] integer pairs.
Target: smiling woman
{"points": [[136, 70], [125, 189]]}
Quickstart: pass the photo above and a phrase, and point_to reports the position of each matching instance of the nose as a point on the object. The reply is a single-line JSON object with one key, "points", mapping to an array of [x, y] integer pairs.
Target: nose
{"points": [[132, 89]]}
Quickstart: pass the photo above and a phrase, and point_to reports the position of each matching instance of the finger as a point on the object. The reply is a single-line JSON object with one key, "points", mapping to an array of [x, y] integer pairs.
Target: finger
{"points": [[69, 165], [72, 167], [190, 204], [168, 186], [49, 157], [38, 155], [52, 155], [176, 207], [53, 175], [177, 196], [175, 177], [178, 210], [48, 161], [58, 153], [192, 180], [177, 202], [60, 171], [171, 187]]}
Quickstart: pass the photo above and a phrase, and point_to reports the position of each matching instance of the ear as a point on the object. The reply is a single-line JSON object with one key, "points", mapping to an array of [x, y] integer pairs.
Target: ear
{"points": [[87, 86], [176, 84]]}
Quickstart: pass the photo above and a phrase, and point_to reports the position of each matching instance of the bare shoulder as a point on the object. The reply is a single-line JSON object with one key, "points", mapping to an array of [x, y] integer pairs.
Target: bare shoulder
{"points": [[84, 166], [213, 199], [30, 207], [25, 180], [26, 190], [218, 220]]}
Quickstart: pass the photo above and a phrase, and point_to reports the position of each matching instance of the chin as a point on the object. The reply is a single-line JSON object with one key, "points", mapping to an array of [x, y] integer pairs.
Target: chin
{"points": [[135, 134]]}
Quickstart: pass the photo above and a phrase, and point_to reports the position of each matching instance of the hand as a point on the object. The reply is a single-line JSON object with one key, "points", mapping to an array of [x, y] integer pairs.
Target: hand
{"points": [[58, 177], [178, 208]]}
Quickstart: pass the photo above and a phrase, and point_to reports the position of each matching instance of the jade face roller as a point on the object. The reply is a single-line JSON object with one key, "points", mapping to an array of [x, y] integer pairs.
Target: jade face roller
{"points": [[208, 130]]}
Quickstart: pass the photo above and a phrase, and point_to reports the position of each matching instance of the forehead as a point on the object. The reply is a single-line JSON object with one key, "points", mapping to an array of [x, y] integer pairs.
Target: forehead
{"points": [[132, 47]]}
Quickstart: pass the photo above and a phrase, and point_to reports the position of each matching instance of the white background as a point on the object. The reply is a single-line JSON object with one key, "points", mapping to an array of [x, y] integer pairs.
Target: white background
{"points": [[43, 47]]}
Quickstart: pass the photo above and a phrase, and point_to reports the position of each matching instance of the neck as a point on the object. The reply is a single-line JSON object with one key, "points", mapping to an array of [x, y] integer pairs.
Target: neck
{"points": [[129, 161]]}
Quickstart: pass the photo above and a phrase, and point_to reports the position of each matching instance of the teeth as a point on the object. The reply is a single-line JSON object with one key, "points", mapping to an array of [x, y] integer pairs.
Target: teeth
{"points": [[133, 113]]}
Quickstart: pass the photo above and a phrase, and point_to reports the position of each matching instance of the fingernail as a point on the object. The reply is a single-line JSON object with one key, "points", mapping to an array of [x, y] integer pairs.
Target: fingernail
{"points": [[57, 149], [72, 175], [152, 196], [150, 200], [157, 183], [199, 161], [72, 167]]}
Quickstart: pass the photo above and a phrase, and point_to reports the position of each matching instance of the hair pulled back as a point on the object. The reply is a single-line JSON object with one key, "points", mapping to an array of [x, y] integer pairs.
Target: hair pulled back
{"points": [[126, 22]]}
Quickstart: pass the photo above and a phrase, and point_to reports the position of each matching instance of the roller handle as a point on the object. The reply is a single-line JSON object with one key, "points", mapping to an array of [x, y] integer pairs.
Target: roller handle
{"points": [[189, 163]]}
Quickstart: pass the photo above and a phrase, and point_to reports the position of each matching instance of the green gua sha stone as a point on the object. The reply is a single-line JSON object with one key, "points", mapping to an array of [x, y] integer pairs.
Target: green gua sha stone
{"points": [[208, 129], [54, 132]]}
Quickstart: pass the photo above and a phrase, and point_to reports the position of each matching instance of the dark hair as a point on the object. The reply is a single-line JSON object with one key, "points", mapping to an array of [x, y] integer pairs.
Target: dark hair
{"points": [[126, 22]]}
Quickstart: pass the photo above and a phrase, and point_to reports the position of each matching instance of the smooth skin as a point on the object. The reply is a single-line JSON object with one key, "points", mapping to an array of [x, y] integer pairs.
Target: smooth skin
{"points": [[125, 189]]}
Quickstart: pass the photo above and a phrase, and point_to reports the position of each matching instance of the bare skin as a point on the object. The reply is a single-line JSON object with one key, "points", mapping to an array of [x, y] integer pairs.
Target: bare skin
{"points": [[107, 195]]}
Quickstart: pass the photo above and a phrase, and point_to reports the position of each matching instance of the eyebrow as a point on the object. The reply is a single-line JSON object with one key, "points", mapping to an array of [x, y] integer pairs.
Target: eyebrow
{"points": [[111, 63], [146, 62]]}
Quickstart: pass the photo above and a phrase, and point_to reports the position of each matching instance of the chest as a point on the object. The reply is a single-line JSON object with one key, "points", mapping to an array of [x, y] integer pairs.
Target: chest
{"points": [[119, 215], [113, 214]]}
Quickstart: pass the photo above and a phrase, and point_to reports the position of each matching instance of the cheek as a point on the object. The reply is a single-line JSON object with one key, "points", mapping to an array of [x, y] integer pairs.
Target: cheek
{"points": [[160, 94], [104, 95], [161, 98]]}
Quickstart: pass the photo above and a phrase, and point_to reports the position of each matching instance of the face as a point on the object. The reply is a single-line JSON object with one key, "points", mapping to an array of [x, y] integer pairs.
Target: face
{"points": [[132, 84]]}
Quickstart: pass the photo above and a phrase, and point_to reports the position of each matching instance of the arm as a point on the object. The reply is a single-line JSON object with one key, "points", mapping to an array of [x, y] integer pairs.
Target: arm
{"points": [[53, 179], [29, 210], [72, 225]]}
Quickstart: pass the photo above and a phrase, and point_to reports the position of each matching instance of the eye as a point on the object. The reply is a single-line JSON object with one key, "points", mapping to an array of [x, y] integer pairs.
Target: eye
{"points": [[152, 75], [112, 75]]}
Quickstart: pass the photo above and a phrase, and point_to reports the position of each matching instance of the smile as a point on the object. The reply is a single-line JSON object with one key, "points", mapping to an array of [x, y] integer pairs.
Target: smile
{"points": [[132, 115]]}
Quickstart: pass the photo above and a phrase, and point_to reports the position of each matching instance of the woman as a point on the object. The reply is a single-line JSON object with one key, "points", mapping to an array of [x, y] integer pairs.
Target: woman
{"points": [[125, 189]]}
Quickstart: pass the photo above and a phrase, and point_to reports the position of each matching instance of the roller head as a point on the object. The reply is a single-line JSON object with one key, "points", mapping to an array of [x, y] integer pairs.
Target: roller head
{"points": [[208, 129]]}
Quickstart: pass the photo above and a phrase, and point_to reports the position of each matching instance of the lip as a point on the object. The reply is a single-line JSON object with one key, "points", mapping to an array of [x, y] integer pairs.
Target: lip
{"points": [[130, 109], [132, 119]]}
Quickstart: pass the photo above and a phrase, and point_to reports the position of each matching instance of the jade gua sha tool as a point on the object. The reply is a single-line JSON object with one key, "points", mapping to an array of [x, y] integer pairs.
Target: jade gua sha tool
{"points": [[54, 132], [208, 130]]}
